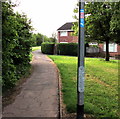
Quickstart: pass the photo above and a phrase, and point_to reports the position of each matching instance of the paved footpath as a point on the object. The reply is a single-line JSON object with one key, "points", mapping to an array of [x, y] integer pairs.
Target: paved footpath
{"points": [[39, 94]]}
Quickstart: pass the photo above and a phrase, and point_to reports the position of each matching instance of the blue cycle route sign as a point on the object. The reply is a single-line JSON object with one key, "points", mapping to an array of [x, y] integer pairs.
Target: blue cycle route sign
{"points": [[82, 18]]}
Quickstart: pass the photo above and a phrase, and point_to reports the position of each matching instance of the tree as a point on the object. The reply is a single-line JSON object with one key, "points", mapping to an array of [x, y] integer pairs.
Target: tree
{"points": [[39, 39], [115, 23], [47, 39], [100, 23], [33, 39], [53, 38]]}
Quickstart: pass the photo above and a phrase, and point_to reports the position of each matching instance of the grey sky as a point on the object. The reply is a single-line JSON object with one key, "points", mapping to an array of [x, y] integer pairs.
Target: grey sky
{"points": [[47, 15]]}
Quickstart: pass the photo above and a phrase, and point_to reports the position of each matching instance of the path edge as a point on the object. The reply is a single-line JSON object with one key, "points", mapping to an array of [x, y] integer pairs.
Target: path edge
{"points": [[60, 113], [62, 107]]}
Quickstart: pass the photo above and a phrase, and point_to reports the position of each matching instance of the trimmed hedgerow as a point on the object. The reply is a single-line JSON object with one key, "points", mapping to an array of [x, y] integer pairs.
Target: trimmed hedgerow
{"points": [[67, 49], [47, 48], [61, 48], [70, 49]]}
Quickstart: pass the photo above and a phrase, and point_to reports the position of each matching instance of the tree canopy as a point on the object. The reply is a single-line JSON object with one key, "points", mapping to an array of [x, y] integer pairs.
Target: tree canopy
{"points": [[102, 23], [38, 39]]}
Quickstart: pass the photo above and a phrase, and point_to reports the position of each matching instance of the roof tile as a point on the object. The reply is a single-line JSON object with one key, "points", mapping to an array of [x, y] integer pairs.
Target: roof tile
{"points": [[66, 26]]}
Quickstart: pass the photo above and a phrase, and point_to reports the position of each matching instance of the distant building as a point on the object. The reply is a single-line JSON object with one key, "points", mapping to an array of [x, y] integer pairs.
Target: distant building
{"points": [[65, 34], [114, 49]]}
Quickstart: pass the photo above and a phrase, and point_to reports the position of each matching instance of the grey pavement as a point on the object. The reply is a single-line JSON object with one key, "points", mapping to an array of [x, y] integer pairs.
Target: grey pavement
{"points": [[39, 94]]}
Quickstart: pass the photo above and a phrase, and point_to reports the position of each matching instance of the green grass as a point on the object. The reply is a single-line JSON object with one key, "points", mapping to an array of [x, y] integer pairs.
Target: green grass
{"points": [[101, 85], [36, 48]]}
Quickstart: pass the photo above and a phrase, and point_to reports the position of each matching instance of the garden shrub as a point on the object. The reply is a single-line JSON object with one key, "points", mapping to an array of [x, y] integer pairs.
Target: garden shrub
{"points": [[47, 48], [16, 46], [67, 49]]}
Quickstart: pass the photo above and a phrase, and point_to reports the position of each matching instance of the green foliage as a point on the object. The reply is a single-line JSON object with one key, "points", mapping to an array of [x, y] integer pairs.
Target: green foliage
{"points": [[16, 44], [53, 40], [115, 23], [75, 28], [70, 49], [31, 56], [47, 48], [102, 23], [38, 39], [33, 40], [67, 49], [101, 86], [98, 23], [62, 48]]}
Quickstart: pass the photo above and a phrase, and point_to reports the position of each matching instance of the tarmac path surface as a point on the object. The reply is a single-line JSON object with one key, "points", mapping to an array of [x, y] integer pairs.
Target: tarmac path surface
{"points": [[39, 94]]}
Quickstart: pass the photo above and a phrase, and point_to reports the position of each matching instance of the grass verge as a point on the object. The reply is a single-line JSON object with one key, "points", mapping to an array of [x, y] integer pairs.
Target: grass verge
{"points": [[36, 48], [101, 85]]}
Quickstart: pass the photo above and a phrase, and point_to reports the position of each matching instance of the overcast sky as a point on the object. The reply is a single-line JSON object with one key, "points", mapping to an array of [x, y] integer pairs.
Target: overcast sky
{"points": [[47, 15]]}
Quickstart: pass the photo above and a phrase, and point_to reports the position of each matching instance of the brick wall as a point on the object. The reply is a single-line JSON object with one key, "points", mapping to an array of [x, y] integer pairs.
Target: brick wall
{"points": [[111, 53], [69, 38]]}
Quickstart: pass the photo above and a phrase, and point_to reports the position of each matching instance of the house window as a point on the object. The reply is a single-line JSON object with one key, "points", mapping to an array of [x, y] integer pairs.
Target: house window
{"points": [[112, 47], [63, 33]]}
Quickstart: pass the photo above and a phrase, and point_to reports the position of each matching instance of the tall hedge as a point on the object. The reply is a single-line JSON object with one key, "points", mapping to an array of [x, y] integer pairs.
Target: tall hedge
{"points": [[61, 48], [47, 48], [67, 49], [70, 49], [16, 44]]}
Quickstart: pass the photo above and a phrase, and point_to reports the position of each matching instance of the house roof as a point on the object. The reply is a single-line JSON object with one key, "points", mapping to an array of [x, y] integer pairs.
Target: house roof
{"points": [[66, 26]]}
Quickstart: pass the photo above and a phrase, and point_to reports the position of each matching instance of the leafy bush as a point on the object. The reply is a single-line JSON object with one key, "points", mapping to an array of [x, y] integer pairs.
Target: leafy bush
{"points": [[67, 49], [16, 44], [47, 48]]}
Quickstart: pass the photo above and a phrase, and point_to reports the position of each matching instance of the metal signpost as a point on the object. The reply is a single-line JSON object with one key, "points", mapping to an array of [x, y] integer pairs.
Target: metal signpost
{"points": [[81, 72]]}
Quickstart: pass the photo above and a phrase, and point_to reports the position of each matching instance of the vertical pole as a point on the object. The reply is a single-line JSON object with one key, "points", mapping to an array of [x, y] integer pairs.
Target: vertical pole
{"points": [[107, 50], [0, 60], [81, 72]]}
